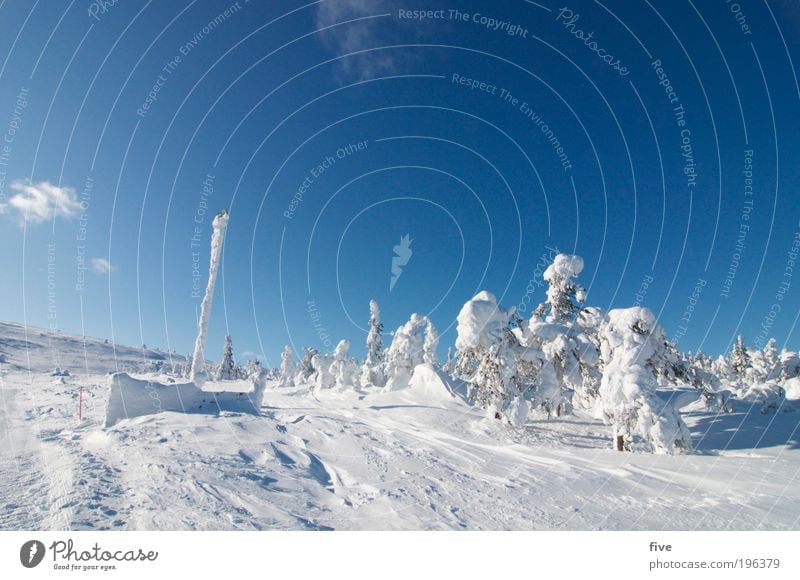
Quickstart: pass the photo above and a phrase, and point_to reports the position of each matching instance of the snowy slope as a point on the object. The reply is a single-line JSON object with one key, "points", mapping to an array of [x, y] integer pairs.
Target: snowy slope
{"points": [[415, 459], [41, 351]]}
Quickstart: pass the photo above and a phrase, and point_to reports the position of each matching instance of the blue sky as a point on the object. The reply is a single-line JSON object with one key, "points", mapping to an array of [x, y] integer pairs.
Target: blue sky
{"points": [[489, 136]]}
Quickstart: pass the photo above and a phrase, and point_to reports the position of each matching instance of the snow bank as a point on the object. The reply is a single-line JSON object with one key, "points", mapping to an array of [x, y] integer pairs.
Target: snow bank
{"points": [[129, 397], [428, 381]]}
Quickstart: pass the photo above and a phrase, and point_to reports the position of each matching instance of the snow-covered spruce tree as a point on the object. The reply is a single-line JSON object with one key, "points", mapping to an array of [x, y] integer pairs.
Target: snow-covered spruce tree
{"points": [[253, 369], [757, 373], [772, 362], [700, 372], [564, 295], [431, 343], [721, 368], [739, 360], [790, 365], [561, 330], [405, 352], [344, 368], [227, 370], [305, 369], [632, 345], [447, 367], [288, 368], [762, 382], [372, 374], [491, 359], [322, 378]]}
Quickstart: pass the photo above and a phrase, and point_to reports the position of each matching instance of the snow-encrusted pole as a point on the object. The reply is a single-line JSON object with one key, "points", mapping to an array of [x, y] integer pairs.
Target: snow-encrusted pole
{"points": [[219, 225]]}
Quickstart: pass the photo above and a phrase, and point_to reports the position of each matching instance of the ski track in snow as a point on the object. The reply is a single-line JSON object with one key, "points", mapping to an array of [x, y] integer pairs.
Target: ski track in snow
{"points": [[340, 461]]}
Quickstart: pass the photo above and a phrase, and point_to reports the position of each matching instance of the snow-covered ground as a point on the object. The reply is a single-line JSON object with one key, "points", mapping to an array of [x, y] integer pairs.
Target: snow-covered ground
{"points": [[414, 459]]}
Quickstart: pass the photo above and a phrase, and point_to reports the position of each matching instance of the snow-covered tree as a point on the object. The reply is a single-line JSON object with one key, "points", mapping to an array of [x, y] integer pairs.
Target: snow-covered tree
{"points": [[227, 370], [790, 365], [288, 368], [491, 359], [431, 343], [322, 378], [739, 360], [448, 363], [253, 369], [568, 338], [564, 295], [632, 345], [219, 226], [344, 368], [772, 361], [305, 369], [405, 352], [372, 373], [721, 368]]}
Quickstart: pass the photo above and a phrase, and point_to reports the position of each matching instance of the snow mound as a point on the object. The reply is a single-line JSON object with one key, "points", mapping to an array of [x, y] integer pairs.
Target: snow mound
{"points": [[429, 382], [129, 397]]}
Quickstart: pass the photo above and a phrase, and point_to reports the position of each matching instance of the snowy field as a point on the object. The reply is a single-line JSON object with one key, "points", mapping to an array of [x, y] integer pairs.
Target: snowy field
{"points": [[418, 459]]}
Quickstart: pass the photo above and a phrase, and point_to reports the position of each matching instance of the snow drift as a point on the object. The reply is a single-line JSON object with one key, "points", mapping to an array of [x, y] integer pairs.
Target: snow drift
{"points": [[129, 397], [429, 382]]}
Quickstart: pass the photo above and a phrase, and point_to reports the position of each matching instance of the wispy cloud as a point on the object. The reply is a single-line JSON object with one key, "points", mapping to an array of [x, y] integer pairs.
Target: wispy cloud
{"points": [[363, 35], [42, 201], [100, 265]]}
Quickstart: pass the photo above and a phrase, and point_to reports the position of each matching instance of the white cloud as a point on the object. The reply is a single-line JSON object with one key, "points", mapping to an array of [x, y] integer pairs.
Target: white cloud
{"points": [[39, 202], [357, 36], [101, 265]]}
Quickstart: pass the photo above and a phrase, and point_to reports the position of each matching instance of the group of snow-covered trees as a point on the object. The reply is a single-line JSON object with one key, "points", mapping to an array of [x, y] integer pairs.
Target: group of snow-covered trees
{"points": [[413, 343], [616, 365], [567, 355]]}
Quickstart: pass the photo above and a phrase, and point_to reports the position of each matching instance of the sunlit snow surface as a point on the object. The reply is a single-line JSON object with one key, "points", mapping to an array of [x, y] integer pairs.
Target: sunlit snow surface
{"points": [[414, 459]]}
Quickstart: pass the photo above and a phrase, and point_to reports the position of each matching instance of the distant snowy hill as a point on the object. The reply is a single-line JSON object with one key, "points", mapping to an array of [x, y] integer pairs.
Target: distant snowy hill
{"points": [[417, 458], [39, 350]]}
